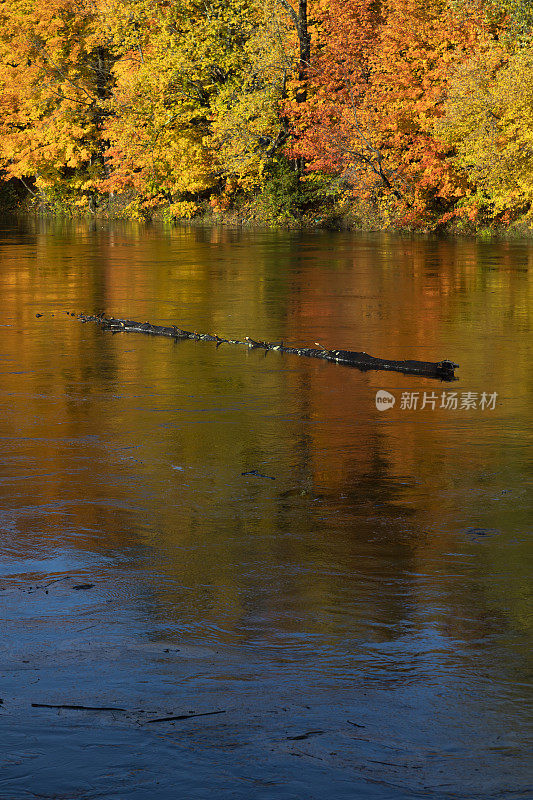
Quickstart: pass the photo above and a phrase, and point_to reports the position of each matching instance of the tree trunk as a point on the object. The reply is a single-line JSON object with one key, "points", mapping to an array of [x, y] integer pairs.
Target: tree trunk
{"points": [[299, 21], [304, 39]]}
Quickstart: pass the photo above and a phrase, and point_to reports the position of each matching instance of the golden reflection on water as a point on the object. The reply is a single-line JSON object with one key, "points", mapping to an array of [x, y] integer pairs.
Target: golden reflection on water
{"points": [[375, 523]]}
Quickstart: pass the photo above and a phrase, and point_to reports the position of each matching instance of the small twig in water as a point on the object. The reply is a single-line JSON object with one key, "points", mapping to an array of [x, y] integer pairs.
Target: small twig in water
{"points": [[304, 735], [76, 707], [56, 580], [184, 716], [307, 755], [258, 474]]}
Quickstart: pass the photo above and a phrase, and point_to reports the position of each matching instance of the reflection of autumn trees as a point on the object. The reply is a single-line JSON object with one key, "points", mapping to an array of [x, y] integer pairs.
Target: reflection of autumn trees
{"points": [[368, 296], [126, 441]]}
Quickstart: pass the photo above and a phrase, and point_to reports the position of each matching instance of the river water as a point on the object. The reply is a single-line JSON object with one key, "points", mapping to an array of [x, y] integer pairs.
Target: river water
{"points": [[352, 618]]}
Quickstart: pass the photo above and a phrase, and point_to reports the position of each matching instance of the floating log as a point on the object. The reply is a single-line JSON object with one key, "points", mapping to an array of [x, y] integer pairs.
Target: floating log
{"points": [[441, 370]]}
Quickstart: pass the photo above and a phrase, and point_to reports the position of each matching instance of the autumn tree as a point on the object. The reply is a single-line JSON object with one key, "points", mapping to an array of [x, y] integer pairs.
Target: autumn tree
{"points": [[378, 85], [420, 45], [489, 122], [54, 72], [249, 130], [330, 133], [166, 102], [194, 104]]}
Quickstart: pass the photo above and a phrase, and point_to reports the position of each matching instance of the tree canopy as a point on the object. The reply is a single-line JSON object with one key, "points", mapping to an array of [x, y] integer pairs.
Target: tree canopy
{"points": [[422, 110]]}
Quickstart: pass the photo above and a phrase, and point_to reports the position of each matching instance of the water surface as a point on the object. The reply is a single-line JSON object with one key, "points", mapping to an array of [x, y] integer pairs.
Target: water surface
{"points": [[358, 612]]}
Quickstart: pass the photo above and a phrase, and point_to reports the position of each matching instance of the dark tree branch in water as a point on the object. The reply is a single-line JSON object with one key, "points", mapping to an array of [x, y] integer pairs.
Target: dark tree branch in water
{"points": [[442, 370]]}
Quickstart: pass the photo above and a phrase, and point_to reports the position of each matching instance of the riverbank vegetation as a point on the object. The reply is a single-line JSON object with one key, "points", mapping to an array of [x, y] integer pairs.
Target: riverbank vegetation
{"points": [[413, 114]]}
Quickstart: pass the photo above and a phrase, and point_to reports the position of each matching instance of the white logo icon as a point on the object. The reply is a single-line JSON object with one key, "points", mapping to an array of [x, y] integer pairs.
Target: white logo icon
{"points": [[384, 400]]}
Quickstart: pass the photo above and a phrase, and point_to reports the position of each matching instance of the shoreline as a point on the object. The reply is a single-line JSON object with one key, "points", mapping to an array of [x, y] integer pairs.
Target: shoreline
{"points": [[249, 215], [513, 232]]}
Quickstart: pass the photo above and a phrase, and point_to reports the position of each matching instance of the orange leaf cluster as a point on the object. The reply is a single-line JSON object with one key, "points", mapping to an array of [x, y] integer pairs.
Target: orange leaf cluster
{"points": [[377, 86]]}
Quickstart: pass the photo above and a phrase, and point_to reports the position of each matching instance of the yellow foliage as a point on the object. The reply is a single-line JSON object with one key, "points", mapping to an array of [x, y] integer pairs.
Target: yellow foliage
{"points": [[183, 210], [246, 125], [49, 93], [195, 92], [489, 122]]}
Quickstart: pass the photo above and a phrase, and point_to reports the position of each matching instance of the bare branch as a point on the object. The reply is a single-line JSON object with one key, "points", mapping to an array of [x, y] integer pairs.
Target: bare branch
{"points": [[290, 10]]}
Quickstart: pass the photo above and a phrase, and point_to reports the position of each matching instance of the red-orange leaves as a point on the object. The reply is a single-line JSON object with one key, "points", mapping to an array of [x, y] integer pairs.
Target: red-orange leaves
{"points": [[377, 86], [330, 133]]}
